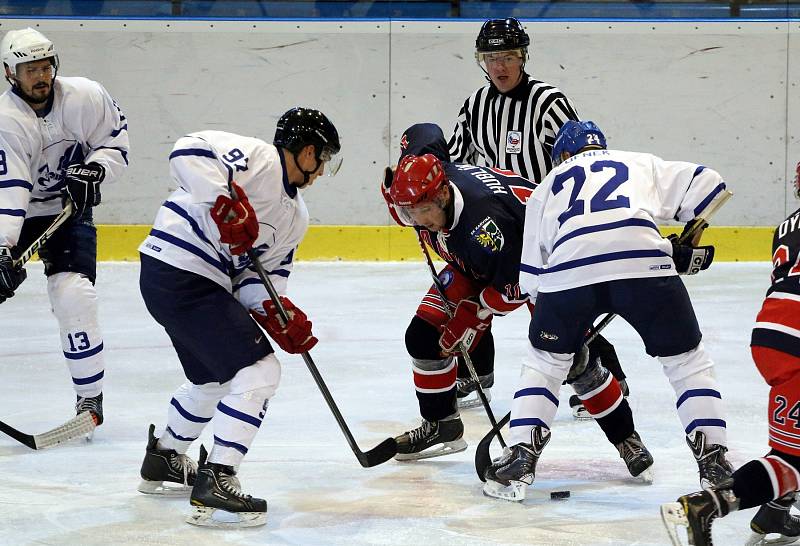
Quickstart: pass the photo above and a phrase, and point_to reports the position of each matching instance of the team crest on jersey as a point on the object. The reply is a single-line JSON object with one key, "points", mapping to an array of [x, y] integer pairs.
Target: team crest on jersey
{"points": [[488, 235], [514, 142]]}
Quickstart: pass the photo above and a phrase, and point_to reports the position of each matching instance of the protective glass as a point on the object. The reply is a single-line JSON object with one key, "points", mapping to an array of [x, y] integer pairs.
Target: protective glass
{"points": [[333, 162], [31, 70], [500, 58]]}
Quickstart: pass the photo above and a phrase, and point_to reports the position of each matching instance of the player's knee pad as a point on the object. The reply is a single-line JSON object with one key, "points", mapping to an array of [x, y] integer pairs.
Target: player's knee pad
{"points": [[73, 299], [683, 367], [422, 340], [554, 365], [259, 380]]}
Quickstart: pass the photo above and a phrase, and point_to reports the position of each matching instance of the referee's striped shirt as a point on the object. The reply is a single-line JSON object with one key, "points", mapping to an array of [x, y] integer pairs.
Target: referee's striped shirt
{"points": [[513, 131]]}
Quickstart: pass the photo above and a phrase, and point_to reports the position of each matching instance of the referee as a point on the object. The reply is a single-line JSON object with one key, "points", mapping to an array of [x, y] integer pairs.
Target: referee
{"points": [[511, 124]]}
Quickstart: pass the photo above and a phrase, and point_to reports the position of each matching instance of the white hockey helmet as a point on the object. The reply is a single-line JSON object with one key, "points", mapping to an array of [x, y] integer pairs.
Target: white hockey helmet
{"points": [[26, 45]]}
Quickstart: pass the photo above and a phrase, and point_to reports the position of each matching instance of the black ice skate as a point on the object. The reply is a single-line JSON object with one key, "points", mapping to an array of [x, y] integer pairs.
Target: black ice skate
{"points": [[165, 471], [467, 390], [637, 458], [697, 511], [774, 518], [712, 465], [432, 439], [217, 499], [509, 476], [94, 405]]}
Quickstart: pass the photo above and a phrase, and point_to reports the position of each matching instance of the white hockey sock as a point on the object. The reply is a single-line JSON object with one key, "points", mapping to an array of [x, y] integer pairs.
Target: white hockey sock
{"points": [[699, 401], [536, 399], [239, 414], [190, 410], [73, 300]]}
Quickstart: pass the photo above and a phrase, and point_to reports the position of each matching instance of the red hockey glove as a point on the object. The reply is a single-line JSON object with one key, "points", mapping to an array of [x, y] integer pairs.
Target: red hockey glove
{"points": [[295, 337], [236, 220], [468, 324]]}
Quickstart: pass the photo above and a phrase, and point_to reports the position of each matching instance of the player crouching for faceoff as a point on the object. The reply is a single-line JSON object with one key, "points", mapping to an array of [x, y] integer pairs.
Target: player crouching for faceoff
{"points": [[591, 246], [235, 193], [60, 138], [772, 480], [473, 218]]}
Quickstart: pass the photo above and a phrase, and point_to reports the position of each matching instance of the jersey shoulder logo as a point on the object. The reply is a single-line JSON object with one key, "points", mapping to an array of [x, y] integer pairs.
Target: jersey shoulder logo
{"points": [[513, 142], [488, 235], [521, 193]]}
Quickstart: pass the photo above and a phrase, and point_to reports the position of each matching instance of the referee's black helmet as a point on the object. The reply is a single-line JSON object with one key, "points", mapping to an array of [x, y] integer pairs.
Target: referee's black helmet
{"points": [[502, 35]]}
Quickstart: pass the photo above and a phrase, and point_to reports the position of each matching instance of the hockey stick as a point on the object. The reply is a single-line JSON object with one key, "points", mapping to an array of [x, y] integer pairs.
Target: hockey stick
{"points": [[77, 427], [375, 456], [62, 217], [467, 359], [378, 454], [482, 456]]}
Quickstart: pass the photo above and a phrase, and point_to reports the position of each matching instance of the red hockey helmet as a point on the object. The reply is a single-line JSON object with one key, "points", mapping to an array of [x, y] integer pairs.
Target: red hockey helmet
{"points": [[417, 180]]}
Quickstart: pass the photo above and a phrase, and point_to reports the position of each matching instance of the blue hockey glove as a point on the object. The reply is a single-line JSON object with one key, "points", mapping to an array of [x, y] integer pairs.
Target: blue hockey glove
{"points": [[688, 259]]}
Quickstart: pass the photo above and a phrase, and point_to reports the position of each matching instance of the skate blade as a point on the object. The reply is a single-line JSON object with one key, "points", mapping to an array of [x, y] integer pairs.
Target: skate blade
{"points": [[472, 400], [757, 539], [646, 477], [514, 492], [673, 516], [204, 516], [165, 489], [456, 446], [580, 414]]}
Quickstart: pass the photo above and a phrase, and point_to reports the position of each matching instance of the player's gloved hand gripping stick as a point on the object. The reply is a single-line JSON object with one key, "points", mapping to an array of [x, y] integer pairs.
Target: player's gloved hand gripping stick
{"points": [[373, 457], [689, 238]]}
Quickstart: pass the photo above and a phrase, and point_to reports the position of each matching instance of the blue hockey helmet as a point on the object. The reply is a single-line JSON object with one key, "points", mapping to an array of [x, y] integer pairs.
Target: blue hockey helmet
{"points": [[574, 136]]}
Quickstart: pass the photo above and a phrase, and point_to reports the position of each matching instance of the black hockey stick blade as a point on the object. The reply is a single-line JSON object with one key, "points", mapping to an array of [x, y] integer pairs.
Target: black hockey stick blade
{"points": [[21, 437], [378, 454], [482, 456]]}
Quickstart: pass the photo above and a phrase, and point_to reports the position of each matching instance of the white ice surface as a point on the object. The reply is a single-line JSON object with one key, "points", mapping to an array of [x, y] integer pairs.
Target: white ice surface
{"points": [[85, 494]]}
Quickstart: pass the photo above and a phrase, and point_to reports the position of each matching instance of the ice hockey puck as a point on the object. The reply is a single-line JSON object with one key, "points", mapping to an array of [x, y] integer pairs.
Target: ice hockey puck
{"points": [[559, 495]]}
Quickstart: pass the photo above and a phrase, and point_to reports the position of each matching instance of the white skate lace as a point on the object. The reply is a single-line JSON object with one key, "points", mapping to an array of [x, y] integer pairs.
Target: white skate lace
{"points": [[230, 484], [421, 432], [183, 464]]}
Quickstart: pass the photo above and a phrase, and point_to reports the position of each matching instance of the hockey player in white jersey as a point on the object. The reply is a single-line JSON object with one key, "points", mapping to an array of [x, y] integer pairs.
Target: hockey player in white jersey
{"points": [[60, 138], [235, 193], [592, 246]]}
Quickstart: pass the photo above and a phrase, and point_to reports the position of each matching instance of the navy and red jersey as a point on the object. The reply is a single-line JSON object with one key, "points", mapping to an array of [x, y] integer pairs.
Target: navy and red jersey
{"points": [[778, 323], [485, 239]]}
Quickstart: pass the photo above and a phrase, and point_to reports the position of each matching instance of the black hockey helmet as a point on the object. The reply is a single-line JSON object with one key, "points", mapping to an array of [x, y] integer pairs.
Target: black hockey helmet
{"points": [[300, 127], [502, 35]]}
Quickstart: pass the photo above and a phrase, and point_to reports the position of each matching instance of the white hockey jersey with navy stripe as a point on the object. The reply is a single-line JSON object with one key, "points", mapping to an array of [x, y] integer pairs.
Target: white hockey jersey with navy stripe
{"points": [[83, 125], [185, 236], [593, 218]]}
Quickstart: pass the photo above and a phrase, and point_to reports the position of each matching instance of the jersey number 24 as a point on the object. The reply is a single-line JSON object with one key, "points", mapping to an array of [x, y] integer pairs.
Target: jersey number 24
{"points": [[599, 200]]}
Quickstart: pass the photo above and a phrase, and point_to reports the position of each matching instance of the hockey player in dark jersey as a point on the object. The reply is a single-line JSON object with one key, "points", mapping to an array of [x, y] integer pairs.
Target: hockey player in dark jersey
{"points": [[473, 218], [771, 481]]}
